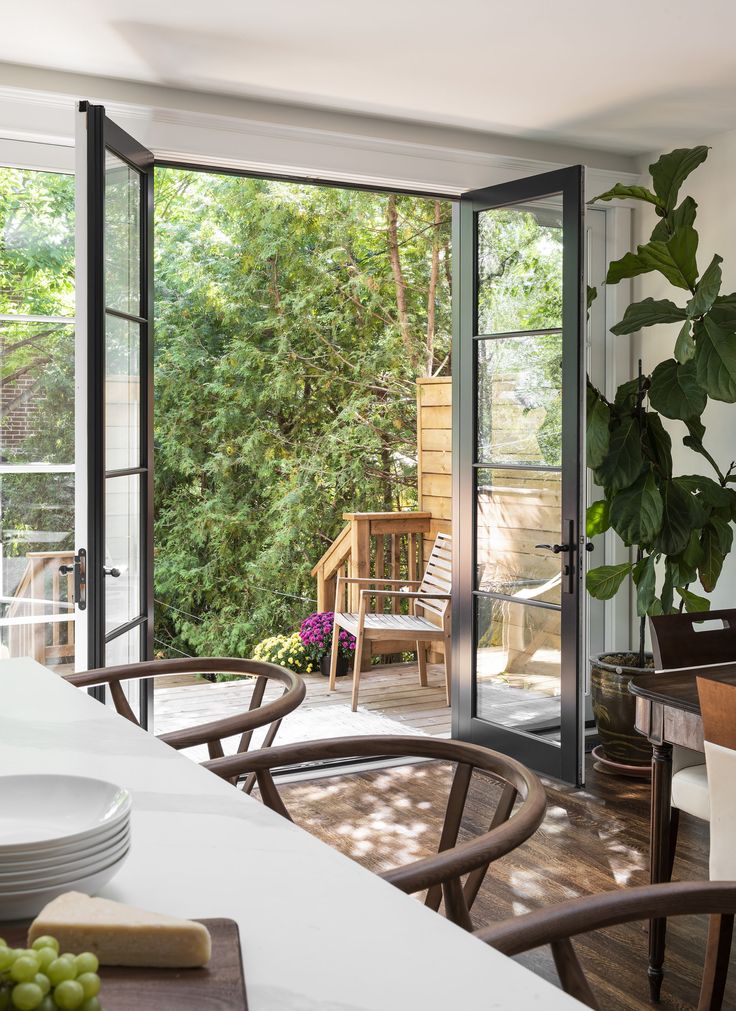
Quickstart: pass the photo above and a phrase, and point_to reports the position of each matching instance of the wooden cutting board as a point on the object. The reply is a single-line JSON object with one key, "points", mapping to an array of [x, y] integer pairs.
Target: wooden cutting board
{"points": [[220, 986]]}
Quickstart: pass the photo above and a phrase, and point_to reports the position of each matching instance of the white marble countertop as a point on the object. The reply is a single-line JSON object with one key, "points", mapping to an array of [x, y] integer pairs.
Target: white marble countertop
{"points": [[319, 932]]}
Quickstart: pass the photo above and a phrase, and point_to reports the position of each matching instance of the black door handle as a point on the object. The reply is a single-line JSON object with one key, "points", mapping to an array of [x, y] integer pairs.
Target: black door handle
{"points": [[114, 572], [557, 548], [79, 568]]}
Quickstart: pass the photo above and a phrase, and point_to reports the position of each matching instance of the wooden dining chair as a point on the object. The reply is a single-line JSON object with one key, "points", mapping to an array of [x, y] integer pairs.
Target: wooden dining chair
{"points": [[431, 595], [718, 709], [509, 824], [555, 925], [213, 733], [681, 641]]}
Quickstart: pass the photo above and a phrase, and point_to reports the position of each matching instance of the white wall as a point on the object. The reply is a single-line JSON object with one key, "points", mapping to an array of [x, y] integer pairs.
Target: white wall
{"points": [[712, 186]]}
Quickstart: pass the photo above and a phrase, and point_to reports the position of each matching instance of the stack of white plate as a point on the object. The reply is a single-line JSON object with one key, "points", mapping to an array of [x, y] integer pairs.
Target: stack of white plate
{"points": [[58, 834]]}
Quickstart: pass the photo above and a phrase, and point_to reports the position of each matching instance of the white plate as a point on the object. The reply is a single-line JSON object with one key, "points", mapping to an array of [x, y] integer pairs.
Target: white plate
{"points": [[37, 812], [40, 878], [62, 858], [23, 905]]}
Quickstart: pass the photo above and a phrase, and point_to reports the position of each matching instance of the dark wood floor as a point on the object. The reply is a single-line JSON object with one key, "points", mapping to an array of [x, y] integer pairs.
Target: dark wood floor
{"points": [[594, 839]]}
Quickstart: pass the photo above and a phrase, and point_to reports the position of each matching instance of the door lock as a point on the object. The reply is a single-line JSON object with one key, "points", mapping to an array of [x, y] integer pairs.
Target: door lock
{"points": [[79, 568]]}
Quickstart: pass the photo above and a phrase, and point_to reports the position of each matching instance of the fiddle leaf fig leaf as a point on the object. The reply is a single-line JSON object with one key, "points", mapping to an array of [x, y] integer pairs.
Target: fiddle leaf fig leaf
{"points": [[671, 170], [647, 313], [604, 581], [599, 417], [645, 581], [715, 358], [685, 345], [597, 519], [675, 259], [678, 514], [623, 462], [692, 601], [723, 311], [657, 444], [684, 567], [622, 192], [591, 295], [707, 290], [630, 265], [710, 567], [675, 391], [636, 511]]}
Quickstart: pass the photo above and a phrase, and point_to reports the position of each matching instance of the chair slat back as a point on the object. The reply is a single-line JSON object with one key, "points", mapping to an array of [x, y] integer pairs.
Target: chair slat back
{"points": [[680, 640], [718, 707], [437, 576]]}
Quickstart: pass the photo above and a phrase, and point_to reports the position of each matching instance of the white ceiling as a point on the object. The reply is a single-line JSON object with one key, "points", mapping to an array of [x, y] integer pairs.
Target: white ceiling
{"points": [[634, 75]]}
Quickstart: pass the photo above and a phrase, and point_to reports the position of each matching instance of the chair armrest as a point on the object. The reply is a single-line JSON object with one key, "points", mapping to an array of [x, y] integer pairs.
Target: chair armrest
{"points": [[409, 595]]}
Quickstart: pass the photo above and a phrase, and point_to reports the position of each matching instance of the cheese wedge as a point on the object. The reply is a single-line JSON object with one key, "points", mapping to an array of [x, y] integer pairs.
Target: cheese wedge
{"points": [[122, 935]]}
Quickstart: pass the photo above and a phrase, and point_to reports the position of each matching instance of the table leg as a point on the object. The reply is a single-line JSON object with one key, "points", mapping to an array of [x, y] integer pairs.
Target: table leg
{"points": [[659, 856]]}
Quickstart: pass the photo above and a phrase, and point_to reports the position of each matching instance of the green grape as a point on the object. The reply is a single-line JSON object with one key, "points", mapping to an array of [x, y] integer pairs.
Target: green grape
{"points": [[24, 969], [61, 969], [27, 996], [45, 957], [87, 962], [47, 1004], [91, 1004], [6, 958], [4, 998], [90, 983], [68, 995], [43, 981], [45, 941], [3, 943]]}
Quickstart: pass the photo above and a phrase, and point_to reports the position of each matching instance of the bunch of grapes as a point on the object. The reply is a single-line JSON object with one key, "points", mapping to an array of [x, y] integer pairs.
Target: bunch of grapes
{"points": [[40, 979]]}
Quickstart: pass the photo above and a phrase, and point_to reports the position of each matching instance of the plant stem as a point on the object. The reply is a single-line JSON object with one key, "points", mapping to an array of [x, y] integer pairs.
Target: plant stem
{"points": [[642, 634]]}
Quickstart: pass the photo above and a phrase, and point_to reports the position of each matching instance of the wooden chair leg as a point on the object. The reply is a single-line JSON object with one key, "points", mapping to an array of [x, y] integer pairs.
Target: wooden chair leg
{"points": [[422, 663], [333, 655], [717, 955], [674, 826], [357, 664], [447, 641]]}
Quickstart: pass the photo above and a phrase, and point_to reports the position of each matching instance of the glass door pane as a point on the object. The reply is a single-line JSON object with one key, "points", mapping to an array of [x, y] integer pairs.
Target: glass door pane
{"points": [[37, 453], [520, 345]]}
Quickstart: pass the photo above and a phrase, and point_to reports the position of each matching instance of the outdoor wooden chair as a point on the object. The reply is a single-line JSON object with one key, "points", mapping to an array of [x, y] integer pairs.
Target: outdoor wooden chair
{"points": [[214, 732], [555, 925], [441, 874], [431, 594]]}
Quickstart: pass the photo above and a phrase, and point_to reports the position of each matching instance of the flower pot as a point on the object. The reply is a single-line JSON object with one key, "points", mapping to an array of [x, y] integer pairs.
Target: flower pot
{"points": [[614, 708], [342, 666]]}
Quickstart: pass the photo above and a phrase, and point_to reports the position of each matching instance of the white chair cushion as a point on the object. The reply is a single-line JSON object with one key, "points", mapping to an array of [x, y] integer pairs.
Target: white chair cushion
{"points": [[722, 773], [690, 791]]}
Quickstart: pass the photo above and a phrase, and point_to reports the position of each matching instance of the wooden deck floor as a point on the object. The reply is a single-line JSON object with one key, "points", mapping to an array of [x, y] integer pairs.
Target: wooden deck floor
{"points": [[391, 701], [592, 840]]}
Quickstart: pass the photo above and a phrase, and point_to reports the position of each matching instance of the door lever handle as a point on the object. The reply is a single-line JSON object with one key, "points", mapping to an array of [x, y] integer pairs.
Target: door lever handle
{"points": [[557, 548], [114, 572]]}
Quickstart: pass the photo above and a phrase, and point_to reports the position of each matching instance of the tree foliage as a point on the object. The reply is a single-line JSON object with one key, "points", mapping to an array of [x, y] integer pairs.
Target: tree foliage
{"points": [[291, 324]]}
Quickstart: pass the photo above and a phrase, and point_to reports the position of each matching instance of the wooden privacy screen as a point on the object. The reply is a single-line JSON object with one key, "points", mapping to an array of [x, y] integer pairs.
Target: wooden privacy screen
{"points": [[434, 463]]}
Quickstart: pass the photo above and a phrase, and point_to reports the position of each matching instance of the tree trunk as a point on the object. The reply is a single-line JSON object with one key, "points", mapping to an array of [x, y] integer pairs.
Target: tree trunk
{"points": [[399, 280], [434, 274]]}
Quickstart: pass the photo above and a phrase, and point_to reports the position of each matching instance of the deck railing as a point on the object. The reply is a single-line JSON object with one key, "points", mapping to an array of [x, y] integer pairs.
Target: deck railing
{"points": [[40, 615], [371, 545]]}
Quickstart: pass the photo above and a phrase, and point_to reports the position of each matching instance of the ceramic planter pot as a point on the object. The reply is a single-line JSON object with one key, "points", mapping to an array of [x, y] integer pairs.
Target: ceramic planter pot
{"points": [[614, 708], [342, 666]]}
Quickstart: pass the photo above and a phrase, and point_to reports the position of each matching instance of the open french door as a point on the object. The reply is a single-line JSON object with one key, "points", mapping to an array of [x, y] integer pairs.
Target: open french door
{"points": [[114, 452], [518, 440]]}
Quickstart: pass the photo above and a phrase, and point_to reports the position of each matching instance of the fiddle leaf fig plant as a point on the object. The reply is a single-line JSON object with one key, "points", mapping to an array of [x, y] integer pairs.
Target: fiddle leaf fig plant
{"points": [[680, 525]]}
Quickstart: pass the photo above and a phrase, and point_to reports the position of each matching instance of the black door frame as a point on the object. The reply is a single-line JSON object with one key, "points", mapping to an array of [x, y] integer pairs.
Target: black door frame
{"points": [[564, 761], [104, 135]]}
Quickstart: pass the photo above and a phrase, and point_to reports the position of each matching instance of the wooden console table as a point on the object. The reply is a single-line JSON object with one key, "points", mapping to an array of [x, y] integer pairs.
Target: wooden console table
{"points": [[668, 713]]}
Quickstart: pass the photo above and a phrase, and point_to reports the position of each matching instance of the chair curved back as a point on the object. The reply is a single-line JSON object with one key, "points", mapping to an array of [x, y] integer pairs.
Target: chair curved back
{"points": [[509, 825], [437, 576], [212, 733], [677, 642], [555, 925]]}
